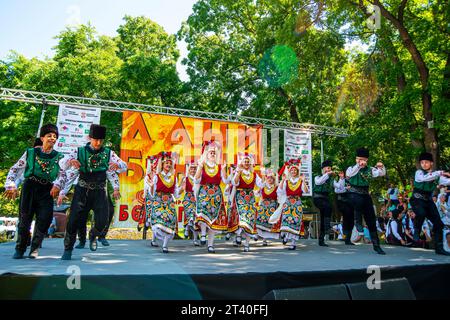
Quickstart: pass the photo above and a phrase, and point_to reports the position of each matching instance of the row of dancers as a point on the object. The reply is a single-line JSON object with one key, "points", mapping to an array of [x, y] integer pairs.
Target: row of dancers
{"points": [[48, 174], [279, 212]]}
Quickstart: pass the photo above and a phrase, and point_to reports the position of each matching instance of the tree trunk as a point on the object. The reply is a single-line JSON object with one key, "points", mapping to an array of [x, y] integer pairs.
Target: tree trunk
{"points": [[292, 109], [401, 85], [430, 135]]}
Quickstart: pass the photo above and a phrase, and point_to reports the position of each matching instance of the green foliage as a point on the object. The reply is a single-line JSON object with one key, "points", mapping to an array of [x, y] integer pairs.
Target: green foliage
{"points": [[277, 59]]}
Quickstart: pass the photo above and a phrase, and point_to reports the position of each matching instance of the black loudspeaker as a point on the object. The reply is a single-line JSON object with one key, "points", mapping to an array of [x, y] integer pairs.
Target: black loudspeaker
{"points": [[333, 292], [392, 289]]}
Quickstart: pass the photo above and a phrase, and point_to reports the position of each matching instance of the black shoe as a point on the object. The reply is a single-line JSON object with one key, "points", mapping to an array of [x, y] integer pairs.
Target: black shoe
{"points": [[165, 250], [322, 243], [93, 244], [203, 240], [378, 249], [81, 245], [153, 243], [227, 236], [292, 247], [18, 254], [284, 241], [211, 249], [265, 244], [238, 240], [442, 252], [104, 242], [67, 255], [376, 243], [246, 248]]}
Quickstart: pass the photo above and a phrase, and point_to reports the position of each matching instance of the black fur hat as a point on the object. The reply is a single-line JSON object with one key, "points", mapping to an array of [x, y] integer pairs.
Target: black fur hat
{"points": [[426, 156], [326, 163], [97, 131], [48, 128], [362, 152]]}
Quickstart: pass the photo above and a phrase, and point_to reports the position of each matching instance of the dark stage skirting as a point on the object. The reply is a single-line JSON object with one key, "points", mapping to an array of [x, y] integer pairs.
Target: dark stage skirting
{"points": [[130, 270]]}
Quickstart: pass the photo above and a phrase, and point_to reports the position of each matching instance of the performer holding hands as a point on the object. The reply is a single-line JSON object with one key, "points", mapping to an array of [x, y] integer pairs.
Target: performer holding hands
{"points": [[163, 188], [211, 214], [92, 165], [267, 206], [290, 210], [359, 177], [244, 205], [323, 187], [425, 182], [44, 178], [190, 203]]}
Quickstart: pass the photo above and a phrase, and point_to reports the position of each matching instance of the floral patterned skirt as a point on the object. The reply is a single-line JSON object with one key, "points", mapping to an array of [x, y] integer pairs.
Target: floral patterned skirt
{"points": [[145, 217], [291, 215], [242, 214], [189, 208], [211, 208], [163, 212], [266, 209]]}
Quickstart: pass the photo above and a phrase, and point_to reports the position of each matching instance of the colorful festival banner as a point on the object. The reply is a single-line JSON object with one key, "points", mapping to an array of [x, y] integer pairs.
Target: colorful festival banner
{"points": [[297, 145], [73, 125], [145, 135]]}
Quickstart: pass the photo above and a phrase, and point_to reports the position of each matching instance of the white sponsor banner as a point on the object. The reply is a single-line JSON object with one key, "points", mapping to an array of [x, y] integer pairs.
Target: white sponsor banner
{"points": [[73, 126], [297, 145]]}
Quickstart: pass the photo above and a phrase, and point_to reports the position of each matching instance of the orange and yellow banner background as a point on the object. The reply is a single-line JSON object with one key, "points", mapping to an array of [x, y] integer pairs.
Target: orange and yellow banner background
{"points": [[146, 134]]}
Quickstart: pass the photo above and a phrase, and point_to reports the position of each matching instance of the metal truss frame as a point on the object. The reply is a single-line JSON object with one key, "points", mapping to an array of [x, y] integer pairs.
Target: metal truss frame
{"points": [[119, 106]]}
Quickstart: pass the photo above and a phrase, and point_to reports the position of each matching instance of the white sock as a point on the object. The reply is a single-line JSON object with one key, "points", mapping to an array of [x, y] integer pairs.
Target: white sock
{"points": [[293, 242], [203, 229], [210, 238], [195, 234], [166, 241], [247, 241]]}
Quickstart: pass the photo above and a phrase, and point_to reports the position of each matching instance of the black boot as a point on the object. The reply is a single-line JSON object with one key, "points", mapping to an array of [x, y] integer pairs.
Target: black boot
{"points": [[322, 239], [18, 254], [376, 243], [104, 242], [81, 244], [67, 255], [93, 240], [69, 241], [322, 242], [439, 244], [322, 233]]}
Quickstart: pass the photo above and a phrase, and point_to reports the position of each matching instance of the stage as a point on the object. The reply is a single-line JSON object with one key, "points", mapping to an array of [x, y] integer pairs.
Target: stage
{"points": [[131, 269]]}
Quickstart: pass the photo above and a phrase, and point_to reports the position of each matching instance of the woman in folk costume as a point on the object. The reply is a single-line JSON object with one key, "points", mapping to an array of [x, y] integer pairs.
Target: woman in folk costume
{"points": [[229, 193], [211, 214], [189, 202], [44, 178], [164, 189], [244, 204], [144, 221], [267, 206], [290, 210]]}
